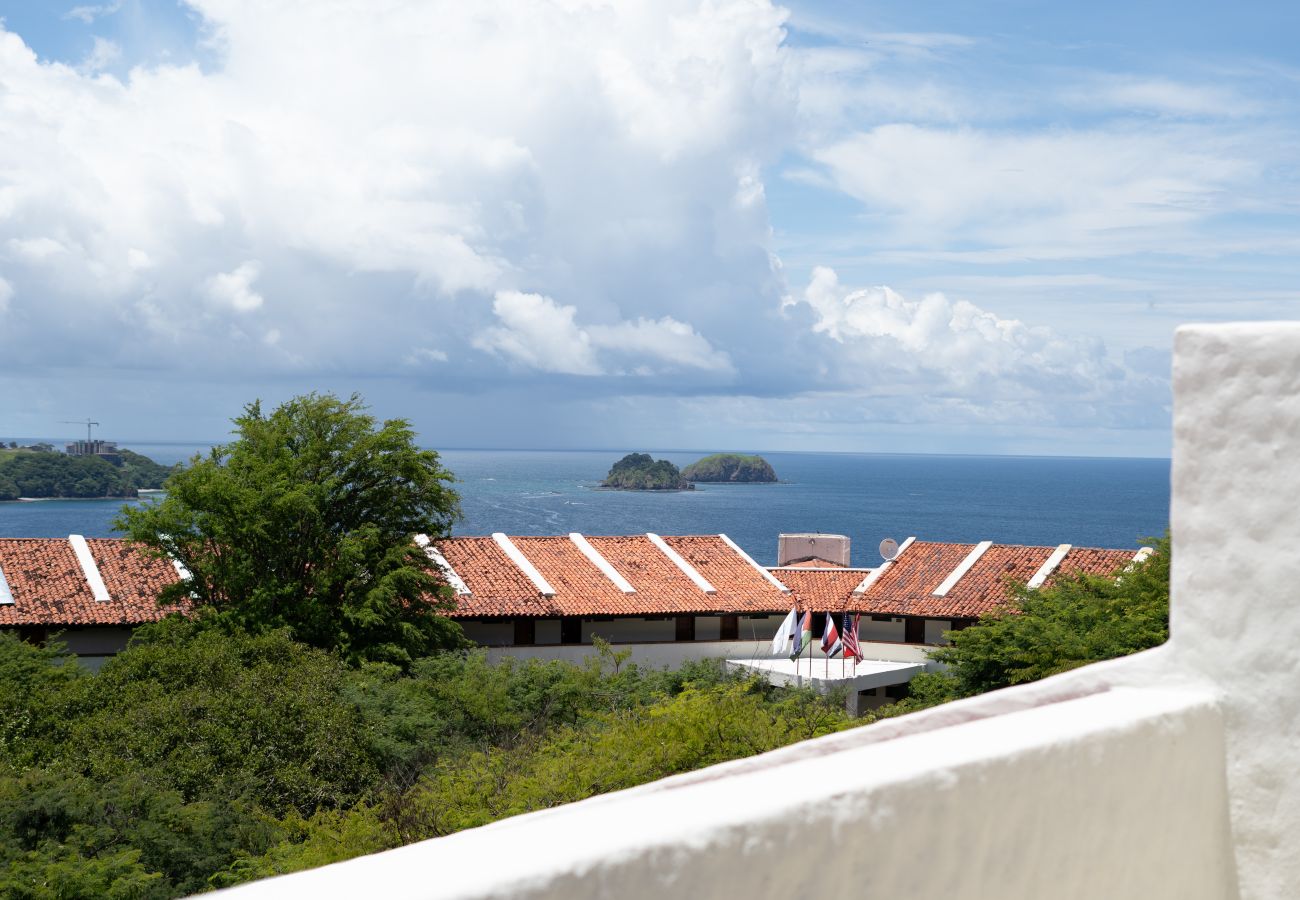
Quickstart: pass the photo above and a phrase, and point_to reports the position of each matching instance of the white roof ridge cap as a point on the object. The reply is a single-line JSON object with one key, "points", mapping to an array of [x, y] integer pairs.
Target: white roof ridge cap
{"points": [[6, 595], [453, 578], [680, 562], [749, 559], [523, 563], [1048, 567], [866, 583], [962, 568], [597, 559], [89, 568]]}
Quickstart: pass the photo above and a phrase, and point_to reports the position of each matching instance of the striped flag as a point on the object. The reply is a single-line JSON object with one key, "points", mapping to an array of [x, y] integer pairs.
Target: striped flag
{"points": [[831, 638], [802, 635], [851, 648]]}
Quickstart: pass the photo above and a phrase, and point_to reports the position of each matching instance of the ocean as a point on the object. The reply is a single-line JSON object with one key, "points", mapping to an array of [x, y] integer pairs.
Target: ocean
{"points": [[867, 496]]}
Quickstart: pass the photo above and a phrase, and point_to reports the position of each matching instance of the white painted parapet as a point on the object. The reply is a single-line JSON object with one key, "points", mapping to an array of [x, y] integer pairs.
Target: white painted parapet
{"points": [[1167, 774]]}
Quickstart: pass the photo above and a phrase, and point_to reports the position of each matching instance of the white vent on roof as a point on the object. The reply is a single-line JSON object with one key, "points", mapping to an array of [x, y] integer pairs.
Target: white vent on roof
{"points": [[749, 559], [884, 567], [606, 569], [676, 558], [1048, 567], [81, 549], [962, 568], [457, 583], [517, 557], [6, 595]]}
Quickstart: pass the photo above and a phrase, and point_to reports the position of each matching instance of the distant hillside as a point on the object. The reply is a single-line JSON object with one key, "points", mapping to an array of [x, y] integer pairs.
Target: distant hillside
{"points": [[730, 467], [47, 473], [640, 472]]}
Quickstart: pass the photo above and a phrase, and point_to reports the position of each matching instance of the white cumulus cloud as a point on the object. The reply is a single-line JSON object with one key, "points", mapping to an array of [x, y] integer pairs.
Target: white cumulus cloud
{"points": [[234, 289], [391, 174], [953, 348], [541, 334]]}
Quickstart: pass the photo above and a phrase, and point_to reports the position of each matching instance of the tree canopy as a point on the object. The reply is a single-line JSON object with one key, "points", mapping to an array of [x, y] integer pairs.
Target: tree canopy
{"points": [[305, 521]]}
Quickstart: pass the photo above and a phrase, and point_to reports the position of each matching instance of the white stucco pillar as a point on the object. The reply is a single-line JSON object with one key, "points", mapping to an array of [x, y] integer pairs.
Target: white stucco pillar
{"points": [[1235, 521]]}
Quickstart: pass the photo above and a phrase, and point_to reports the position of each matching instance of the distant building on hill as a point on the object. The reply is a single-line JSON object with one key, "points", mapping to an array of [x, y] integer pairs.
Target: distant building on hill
{"points": [[106, 450]]}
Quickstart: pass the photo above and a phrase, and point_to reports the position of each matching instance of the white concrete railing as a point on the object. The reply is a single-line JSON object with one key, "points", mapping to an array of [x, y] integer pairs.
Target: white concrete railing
{"points": [[1165, 774], [674, 653]]}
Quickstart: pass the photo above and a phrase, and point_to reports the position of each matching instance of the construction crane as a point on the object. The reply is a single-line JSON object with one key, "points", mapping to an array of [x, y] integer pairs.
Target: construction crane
{"points": [[87, 422]]}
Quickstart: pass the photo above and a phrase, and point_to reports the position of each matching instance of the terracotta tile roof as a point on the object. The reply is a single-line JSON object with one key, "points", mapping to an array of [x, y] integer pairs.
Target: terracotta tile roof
{"points": [[821, 591], [49, 587], [813, 562], [499, 588], [907, 586]]}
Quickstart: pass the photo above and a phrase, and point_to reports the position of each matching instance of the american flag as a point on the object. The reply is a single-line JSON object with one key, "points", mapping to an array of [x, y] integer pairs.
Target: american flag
{"points": [[849, 635]]}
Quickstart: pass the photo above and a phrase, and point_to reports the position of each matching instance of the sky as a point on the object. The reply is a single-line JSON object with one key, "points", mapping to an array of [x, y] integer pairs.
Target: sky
{"points": [[892, 226]]}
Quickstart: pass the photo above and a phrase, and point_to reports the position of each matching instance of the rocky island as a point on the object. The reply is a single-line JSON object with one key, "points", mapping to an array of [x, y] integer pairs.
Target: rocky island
{"points": [[723, 468], [640, 472]]}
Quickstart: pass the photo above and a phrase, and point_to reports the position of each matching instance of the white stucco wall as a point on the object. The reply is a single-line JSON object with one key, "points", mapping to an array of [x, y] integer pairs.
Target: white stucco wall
{"points": [[630, 629], [547, 631], [934, 629], [489, 634], [871, 630], [1168, 774], [707, 628]]}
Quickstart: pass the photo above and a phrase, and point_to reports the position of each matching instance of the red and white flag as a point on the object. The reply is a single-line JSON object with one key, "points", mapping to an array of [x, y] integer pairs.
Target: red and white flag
{"points": [[851, 648], [831, 638]]}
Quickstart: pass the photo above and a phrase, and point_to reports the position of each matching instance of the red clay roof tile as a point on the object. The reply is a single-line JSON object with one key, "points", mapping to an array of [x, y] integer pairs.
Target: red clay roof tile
{"points": [[50, 589]]}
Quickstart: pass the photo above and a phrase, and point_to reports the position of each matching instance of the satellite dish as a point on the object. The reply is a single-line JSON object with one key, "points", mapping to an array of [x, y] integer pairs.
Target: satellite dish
{"points": [[888, 549]]}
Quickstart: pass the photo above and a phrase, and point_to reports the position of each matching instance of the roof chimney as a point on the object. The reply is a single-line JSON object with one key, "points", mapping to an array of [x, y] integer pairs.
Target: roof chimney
{"points": [[831, 548]]}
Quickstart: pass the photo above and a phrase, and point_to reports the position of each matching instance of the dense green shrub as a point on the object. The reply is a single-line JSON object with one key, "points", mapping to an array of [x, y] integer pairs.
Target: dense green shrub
{"points": [[203, 755]]}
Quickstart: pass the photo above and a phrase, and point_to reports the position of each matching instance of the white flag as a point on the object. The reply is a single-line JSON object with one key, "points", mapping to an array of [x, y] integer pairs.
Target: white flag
{"points": [[784, 632]]}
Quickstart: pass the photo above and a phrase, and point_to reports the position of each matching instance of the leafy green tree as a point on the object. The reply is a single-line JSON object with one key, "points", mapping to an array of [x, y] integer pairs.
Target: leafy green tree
{"points": [[1080, 619], [305, 522]]}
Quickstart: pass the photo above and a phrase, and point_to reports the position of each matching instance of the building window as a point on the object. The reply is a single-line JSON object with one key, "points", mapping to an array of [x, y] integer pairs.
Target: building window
{"points": [[686, 628], [570, 630], [525, 632], [729, 628], [914, 631]]}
